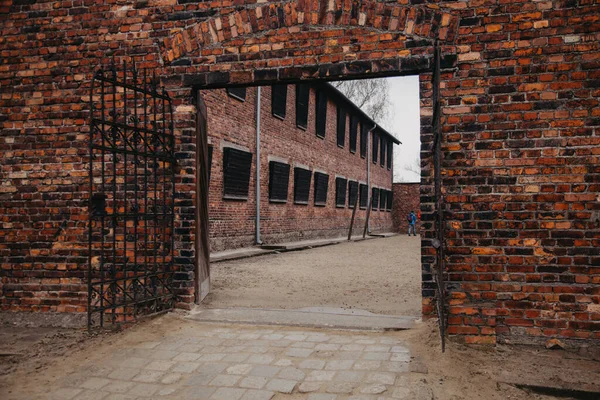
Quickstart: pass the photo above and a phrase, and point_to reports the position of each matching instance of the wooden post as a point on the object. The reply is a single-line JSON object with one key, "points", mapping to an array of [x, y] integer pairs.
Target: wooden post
{"points": [[368, 215], [353, 214], [202, 284]]}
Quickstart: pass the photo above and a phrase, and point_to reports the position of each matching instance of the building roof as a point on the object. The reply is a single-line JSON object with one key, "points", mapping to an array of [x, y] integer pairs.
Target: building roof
{"points": [[341, 96]]}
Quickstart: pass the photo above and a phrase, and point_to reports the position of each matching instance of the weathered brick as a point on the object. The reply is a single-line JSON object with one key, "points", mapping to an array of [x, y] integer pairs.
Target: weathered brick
{"points": [[519, 114]]}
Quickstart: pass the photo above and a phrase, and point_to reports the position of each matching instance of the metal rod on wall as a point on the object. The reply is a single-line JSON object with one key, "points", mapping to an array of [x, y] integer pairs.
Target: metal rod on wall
{"points": [[369, 157], [439, 241], [368, 216], [353, 215]]}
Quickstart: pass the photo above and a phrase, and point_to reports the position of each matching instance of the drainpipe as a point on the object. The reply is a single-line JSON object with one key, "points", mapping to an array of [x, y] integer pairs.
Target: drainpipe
{"points": [[258, 241], [369, 161]]}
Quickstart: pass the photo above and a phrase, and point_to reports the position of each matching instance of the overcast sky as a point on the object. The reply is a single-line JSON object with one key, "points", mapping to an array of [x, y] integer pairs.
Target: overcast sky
{"points": [[403, 122]]}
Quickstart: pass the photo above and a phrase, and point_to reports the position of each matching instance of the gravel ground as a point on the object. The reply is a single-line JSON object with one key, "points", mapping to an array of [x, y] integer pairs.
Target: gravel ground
{"points": [[382, 276]]}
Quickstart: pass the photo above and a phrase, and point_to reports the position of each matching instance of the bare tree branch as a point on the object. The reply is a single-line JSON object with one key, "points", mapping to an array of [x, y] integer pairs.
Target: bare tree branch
{"points": [[414, 166], [370, 95]]}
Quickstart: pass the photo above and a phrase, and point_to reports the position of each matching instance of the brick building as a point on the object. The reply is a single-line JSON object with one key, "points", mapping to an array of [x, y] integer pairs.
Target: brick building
{"points": [[518, 111], [406, 197], [318, 154]]}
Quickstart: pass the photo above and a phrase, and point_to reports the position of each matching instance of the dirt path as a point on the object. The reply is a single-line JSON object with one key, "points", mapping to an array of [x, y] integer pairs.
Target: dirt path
{"points": [[381, 276]]}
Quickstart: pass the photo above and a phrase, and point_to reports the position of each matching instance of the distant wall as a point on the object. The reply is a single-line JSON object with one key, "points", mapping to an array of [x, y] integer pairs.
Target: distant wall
{"points": [[406, 198]]}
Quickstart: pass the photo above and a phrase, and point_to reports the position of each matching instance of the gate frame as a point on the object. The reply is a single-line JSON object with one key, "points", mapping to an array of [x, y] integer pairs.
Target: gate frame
{"points": [[202, 246], [433, 65]]}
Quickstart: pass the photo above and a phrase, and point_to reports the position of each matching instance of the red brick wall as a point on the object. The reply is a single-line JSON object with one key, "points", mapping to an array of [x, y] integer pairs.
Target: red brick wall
{"points": [[406, 199], [232, 222], [520, 118]]}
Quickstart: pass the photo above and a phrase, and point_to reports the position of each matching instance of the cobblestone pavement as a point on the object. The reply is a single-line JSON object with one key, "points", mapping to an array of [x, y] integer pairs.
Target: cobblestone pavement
{"points": [[230, 362]]}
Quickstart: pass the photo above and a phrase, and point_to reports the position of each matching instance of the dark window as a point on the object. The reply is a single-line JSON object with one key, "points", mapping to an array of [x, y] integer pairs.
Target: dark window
{"points": [[375, 199], [210, 150], [236, 173], [364, 194], [279, 179], [352, 193], [390, 200], [383, 146], [341, 126], [375, 147], [301, 185], [302, 98], [340, 192], [321, 114], [321, 186], [382, 199], [278, 100], [364, 132], [353, 133], [390, 147], [238, 93]]}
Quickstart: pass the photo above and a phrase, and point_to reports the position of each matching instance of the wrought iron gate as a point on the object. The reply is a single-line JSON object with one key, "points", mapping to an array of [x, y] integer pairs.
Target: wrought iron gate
{"points": [[131, 192]]}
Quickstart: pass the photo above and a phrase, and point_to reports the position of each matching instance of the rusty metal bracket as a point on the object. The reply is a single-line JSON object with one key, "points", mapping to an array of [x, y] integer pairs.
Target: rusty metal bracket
{"points": [[438, 242]]}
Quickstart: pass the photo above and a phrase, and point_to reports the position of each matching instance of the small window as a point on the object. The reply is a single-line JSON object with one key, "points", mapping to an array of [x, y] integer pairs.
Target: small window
{"points": [[375, 147], [341, 126], [279, 100], [321, 114], [353, 133], [302, 99], [340, 192], [321, 186], [390, 200], [301, 185], [364, 133], [364, 196], [389, 154], [383, 145], [352, 193], [375, 199], [210, 151], [382, 199], [279, 179], [236, 173], [237, 93]]}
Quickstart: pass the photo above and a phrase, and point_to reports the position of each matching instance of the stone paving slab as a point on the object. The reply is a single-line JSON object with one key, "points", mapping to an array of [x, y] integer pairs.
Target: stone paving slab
{"points": [[238, 254], [303, 244], [314, 243], [306, 317], [265, 249], [242, 362]]}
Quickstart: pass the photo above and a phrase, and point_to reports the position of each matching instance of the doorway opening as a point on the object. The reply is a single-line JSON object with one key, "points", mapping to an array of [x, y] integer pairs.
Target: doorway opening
{"points": [[302, 166]]}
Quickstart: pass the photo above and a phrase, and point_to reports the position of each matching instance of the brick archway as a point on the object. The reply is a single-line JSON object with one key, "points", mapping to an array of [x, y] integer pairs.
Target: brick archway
{"points": [[256, 46], [521, 118], [284, 19]]}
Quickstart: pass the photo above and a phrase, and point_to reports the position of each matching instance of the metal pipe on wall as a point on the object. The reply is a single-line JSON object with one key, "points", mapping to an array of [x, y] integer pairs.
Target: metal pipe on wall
{"points": [[257, 224]]}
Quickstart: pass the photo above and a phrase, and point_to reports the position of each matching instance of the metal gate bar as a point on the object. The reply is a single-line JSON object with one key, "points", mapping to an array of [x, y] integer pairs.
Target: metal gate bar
{"points": [[132, 195], [438, 243]]}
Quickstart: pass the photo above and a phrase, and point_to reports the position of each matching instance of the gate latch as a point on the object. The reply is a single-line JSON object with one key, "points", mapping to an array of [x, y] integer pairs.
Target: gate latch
{"points": [[98, 205]]}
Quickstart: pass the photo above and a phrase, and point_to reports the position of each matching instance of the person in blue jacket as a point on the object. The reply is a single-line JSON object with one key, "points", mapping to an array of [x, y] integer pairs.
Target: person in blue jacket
{"points": [[412, 221]]}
